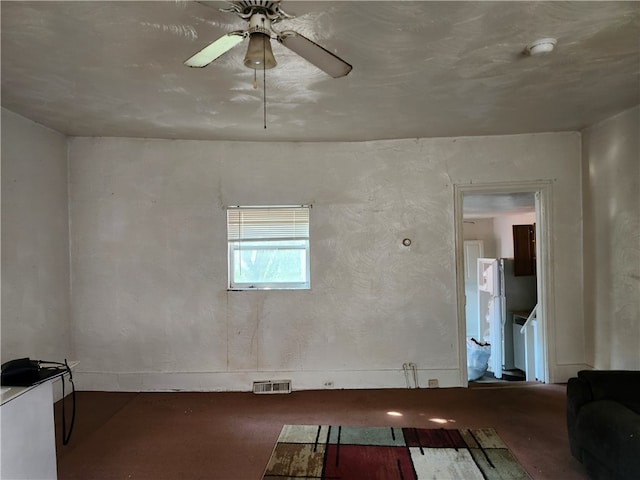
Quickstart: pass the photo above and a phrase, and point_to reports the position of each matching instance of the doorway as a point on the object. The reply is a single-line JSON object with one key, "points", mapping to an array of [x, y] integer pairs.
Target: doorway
{"points": [[517, 335]]}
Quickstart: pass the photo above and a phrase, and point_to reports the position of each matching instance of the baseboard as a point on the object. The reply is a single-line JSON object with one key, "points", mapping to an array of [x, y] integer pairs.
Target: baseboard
{"points": [[243, 381], [301, 380]]}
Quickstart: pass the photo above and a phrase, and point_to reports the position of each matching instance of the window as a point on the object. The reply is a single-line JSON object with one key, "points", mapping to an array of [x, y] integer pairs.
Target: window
{"points": [[268, 247]]}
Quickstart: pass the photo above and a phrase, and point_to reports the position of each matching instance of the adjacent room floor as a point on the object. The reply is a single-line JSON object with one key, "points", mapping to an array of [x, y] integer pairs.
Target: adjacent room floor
{"points": [[230, 436]]}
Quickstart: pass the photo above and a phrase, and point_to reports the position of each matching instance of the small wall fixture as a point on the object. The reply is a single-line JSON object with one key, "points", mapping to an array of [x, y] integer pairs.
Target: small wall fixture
{"points": [[540, 47], [406, 242]]}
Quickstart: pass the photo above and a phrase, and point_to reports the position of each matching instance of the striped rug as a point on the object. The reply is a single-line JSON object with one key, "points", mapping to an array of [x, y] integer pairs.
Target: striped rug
{"points": [[388, 453]]}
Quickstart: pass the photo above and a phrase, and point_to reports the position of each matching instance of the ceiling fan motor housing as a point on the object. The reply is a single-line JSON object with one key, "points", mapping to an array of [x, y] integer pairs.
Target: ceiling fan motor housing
{"points": [[260, 23], [270, 8]]}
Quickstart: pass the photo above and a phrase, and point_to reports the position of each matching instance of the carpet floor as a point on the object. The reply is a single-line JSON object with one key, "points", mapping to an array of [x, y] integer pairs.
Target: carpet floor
{"points": [[230, 436]]}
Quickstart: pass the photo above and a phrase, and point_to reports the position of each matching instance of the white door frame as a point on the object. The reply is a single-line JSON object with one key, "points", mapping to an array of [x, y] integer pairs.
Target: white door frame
{"points": [[544, 265]]}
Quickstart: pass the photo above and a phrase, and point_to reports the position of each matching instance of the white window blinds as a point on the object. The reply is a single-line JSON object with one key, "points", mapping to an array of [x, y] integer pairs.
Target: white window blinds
{"points": [[267, 223]]}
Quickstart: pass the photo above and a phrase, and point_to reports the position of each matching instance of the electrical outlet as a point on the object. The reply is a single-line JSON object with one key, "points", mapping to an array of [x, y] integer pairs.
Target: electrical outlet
{"points": [[433, 383]]}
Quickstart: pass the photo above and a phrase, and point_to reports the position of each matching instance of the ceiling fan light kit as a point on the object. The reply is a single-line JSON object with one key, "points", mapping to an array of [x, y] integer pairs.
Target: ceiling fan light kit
{"points": [[259, 54]]}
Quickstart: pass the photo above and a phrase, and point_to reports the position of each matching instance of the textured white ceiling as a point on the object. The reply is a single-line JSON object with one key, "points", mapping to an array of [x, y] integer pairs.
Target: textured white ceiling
{"points": [[421, 69]]}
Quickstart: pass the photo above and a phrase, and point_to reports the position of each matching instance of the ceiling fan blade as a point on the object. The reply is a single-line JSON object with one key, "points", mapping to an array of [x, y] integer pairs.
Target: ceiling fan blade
{"points": [[215, 50], [314, 53]]}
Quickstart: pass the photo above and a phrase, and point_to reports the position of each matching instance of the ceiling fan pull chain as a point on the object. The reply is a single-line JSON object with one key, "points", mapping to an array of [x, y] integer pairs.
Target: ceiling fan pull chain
{"points": [[255, 81], [264, 81]]}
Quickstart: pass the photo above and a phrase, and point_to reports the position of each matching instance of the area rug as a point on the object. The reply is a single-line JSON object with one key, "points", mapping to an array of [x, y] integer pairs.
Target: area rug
{"points": [[387, 453]]}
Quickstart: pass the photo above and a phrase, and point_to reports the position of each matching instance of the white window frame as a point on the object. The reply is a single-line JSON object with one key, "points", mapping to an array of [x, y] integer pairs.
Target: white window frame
{"points": [[242, 231]]}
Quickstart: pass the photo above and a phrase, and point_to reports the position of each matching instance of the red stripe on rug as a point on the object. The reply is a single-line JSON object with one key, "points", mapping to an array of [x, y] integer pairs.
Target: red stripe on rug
{"points": [[358, 462]]}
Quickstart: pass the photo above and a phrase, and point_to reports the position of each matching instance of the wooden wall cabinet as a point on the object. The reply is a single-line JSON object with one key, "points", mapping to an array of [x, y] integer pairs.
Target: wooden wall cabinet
{"points": [[524, 250]]}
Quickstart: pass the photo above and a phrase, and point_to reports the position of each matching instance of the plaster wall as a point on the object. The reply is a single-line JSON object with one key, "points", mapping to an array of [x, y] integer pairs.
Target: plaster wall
{"points": [[611, 162], [148, 248], [35, 241]]}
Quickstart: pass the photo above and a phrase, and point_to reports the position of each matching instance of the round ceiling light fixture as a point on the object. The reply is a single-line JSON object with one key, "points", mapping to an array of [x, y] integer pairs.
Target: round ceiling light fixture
{"points": [[540, 47]]}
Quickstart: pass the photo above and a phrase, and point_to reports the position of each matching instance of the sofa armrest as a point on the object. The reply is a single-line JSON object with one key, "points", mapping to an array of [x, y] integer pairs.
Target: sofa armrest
{"points": [[578, 394]]}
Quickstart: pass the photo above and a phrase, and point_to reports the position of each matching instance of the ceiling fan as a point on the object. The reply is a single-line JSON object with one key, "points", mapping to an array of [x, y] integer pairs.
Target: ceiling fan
{"points": [[261, 14]]}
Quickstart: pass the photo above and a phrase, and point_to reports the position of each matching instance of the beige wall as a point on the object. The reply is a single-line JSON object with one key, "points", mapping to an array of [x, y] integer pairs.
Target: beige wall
{"points": [[611, 184], [150, 307], [35, 242]]}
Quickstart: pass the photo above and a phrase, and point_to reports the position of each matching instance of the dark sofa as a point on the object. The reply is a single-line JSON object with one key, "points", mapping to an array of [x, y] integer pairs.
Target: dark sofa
{"points": [[603, 419]]}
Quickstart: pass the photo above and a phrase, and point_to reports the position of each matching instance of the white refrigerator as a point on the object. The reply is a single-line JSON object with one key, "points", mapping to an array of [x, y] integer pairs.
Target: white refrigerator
{"points": [[500, 294]]}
